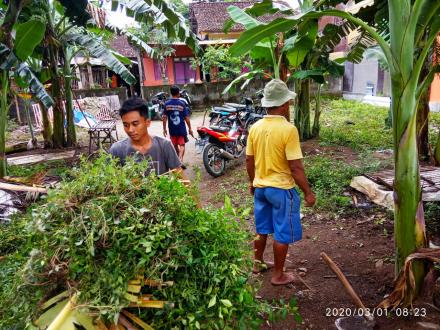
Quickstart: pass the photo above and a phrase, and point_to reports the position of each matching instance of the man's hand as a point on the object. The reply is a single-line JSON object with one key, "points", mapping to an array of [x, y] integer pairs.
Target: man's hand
{"points": [[251, 189], [165, 132], [309, 199], [191, 133]]}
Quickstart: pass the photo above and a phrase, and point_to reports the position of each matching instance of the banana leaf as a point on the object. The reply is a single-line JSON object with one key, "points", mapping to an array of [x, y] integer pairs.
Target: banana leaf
{"points": [[24, 73], [96, 49], [28, 36], [160, 12]]}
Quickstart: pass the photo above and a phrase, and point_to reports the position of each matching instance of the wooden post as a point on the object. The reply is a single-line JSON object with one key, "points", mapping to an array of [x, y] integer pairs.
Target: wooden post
{"points": [[90, 76]]}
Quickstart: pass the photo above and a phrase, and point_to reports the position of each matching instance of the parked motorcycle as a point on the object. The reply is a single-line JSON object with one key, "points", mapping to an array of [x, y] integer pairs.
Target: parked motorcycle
{"points": [[221, 144], [184, 96], [158, 101]]}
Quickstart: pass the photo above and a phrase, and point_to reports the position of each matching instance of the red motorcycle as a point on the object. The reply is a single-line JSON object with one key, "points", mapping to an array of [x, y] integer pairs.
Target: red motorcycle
{"points": [[221, 144]]}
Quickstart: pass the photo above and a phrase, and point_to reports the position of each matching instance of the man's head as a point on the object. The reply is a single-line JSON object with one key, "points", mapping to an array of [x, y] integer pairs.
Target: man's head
{"points": [[175, 91], [134, 115], [276, 97]]}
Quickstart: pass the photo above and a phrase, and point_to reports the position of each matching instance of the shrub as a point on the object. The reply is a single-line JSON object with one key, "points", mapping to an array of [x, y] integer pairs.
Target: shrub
{"points": [[110, 224]]}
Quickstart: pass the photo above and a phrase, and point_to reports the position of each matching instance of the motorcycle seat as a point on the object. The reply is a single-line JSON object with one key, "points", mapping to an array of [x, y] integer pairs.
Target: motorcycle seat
{"points": [[220, 129], [224, 109], [235, 105]]}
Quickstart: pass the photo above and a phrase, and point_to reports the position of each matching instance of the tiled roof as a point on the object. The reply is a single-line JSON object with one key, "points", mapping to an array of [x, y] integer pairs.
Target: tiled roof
{"points": [[122, 46], [211, 16]]}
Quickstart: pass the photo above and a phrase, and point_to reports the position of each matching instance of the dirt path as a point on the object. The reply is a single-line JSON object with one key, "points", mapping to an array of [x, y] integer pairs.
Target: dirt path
{"points": [[360, 241]]}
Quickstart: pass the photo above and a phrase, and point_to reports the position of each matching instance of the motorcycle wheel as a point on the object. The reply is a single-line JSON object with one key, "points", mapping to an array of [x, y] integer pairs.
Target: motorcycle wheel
{"points": [[214, 164]]}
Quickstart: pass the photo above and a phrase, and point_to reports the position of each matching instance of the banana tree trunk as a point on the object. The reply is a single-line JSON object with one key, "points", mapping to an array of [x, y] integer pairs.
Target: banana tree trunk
{"points": [[316, 126], [71, 133], [302, 113], [47, 126], [3, 119], [409, 223], [58, 138]]}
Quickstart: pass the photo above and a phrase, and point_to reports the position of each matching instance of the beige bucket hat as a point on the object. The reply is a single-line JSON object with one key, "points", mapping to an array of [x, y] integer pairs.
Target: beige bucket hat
{"points": [[276, 93]]}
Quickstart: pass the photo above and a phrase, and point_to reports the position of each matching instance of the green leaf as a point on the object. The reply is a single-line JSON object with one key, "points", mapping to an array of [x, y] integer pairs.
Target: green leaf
{"points": [[289, 43], [149, 51], [244, 76], [121, 58], [36, 87], [238, 15], [27, 37], [226, 302], [212, 302], [250, 38], [315, 74], [303, 43]]}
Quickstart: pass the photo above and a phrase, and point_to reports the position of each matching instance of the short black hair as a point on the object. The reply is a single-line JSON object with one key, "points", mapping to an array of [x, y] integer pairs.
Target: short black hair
{"points": [[134, 104], [174, 90]]}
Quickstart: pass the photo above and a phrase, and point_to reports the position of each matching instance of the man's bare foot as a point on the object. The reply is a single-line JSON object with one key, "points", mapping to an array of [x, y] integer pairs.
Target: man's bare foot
{"points": [[283, 279], [261, 266]]}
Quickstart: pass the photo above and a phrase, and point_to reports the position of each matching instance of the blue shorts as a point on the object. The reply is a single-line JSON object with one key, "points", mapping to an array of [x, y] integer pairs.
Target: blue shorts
{"points": [[277, 212]]}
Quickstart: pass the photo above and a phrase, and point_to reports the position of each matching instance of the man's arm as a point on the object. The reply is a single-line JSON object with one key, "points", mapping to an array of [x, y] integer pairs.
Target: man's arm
{"points": [[250, 168], [164, 122], [298, 174], [188, 123]]}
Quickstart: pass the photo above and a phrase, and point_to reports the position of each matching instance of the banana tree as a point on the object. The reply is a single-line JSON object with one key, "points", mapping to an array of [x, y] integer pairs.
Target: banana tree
{"points": [[163, 14], [304, 50], [409, 21], [15, 48], [268, 55]]}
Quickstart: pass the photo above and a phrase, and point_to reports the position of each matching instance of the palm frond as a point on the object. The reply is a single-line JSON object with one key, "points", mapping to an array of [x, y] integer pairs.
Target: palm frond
{"points": [[159, 12], [95, 48]]}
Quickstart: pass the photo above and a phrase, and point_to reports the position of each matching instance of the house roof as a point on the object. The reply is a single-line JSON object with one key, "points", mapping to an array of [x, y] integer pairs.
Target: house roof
{"points": [[123, 47], [210, 17]]}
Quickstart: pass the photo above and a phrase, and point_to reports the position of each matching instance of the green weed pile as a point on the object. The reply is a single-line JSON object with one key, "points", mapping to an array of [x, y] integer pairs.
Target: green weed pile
{"points": [[108, 225]]}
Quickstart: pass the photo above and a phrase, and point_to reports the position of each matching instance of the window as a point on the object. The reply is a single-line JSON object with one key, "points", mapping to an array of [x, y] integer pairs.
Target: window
{"points": [[183, 72]]}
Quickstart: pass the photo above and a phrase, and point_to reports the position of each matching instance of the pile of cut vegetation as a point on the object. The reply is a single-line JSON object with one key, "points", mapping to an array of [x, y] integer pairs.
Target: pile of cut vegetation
{"points": [[109, 225]]}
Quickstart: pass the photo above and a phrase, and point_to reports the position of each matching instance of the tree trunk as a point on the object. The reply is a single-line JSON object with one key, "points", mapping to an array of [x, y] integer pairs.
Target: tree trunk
{"points": [[4, 107], [316, 126], [71, 133], [10, 17], [58, 138], [302, 113], [409, 223], [47, 127]]}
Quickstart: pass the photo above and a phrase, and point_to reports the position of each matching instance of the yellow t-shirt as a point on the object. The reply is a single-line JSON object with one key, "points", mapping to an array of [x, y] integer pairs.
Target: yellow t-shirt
{"points": [[273, 141]]}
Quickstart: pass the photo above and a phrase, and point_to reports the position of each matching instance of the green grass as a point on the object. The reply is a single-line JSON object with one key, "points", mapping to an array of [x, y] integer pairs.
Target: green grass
{"points": [[330, 178], [56, 168], [355, 125]]}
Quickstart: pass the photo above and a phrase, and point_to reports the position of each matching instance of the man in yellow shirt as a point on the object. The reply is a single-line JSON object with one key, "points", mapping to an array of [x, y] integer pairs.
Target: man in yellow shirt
{"points": [[274, 166]]}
